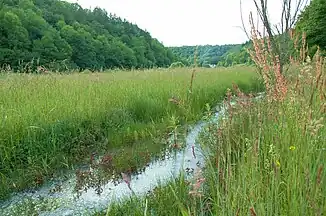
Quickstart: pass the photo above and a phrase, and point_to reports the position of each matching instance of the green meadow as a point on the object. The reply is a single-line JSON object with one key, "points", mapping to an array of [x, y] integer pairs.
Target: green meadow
{"points": [[54, 121], [78, 110]]}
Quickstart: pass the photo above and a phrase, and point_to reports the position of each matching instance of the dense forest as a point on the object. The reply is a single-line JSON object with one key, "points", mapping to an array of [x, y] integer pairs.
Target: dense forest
{"points": [[61, 35], [221, 55]]}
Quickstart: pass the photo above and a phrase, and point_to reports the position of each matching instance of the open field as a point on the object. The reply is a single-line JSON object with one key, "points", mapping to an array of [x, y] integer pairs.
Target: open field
{"points": [[50, 122]]}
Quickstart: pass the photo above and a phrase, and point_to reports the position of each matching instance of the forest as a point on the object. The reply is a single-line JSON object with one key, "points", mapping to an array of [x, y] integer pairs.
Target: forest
{"points": [[312, 21], [210, 55], [61, 36]]}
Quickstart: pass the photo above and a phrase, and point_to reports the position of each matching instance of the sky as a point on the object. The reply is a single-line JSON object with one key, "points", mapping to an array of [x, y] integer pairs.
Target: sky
{"points": [[187, 22]]}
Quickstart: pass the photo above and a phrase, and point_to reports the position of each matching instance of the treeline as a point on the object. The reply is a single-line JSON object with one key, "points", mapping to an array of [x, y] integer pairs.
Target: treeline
{"points": [[312, 21], [62, 35], [236, 55], [209, 55]]}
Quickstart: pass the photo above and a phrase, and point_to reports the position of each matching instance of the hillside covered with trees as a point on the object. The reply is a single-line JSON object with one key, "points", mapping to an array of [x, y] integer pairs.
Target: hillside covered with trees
{"points": [[61, 35], [206, 54], [236, 55], [221, 55]]}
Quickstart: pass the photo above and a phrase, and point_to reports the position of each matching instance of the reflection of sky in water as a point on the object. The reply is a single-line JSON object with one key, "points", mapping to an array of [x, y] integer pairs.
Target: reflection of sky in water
{"points": [[157, 171], [88, 202]]}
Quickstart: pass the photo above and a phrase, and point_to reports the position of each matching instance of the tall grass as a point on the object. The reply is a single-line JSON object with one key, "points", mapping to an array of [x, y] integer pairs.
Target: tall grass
{"points": [[50, 122], [267, 157]]}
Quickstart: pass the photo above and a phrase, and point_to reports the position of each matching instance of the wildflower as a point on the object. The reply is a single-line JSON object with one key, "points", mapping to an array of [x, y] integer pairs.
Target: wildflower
{"points": [[292, 148], [278, 163]]}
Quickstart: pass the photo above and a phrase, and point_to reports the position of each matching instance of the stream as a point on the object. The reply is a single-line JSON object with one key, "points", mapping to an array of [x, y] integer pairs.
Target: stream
{"points": [[64, 202]]}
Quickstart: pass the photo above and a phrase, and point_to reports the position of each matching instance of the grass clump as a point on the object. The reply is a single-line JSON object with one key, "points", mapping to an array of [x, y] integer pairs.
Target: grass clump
{"points": [[50, 122]]}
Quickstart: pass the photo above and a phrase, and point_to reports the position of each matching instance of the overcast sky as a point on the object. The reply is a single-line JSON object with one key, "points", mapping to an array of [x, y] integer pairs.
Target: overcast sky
{"points": [[186, 22]]}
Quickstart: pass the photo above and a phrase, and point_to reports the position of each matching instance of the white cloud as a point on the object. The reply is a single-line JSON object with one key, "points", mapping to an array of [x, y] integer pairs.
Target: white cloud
{"points": [[186, 22]]}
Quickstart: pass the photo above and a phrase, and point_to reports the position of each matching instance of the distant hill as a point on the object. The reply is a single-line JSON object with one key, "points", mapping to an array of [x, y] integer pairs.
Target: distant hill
{"points": [[62, 35], [222, 55], [236, 55]]}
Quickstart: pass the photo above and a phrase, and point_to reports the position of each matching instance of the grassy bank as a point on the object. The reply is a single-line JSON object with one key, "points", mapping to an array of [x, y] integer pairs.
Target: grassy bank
{"points": [[49, 122], [266, 158]]}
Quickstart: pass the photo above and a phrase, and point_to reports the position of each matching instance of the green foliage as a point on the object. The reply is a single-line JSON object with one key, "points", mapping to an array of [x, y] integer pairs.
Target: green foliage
{"points": [[177, 64], [56, 31], [220, 55], [160, 201], [50, 122], [236, 55], [207, 54], [312, 21], [263, 158]]}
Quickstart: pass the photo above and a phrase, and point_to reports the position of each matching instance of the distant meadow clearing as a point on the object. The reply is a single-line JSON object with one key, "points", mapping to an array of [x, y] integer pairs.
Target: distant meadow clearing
{"points": [[50, 122]]}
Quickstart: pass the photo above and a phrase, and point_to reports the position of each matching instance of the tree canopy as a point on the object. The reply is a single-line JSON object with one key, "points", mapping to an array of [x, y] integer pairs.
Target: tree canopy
{"points": [[312, 21], [222, 55], [61, 35]]}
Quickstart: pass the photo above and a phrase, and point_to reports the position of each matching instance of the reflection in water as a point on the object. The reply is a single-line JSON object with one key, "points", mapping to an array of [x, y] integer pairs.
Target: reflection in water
{"points": [[65, 200]]}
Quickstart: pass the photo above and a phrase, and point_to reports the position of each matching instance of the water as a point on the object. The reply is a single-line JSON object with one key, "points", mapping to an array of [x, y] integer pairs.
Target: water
{"points": [[64, 201]]}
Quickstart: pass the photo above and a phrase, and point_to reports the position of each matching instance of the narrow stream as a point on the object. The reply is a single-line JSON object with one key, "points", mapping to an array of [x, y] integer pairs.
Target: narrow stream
{"points": [[64, 201]]}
